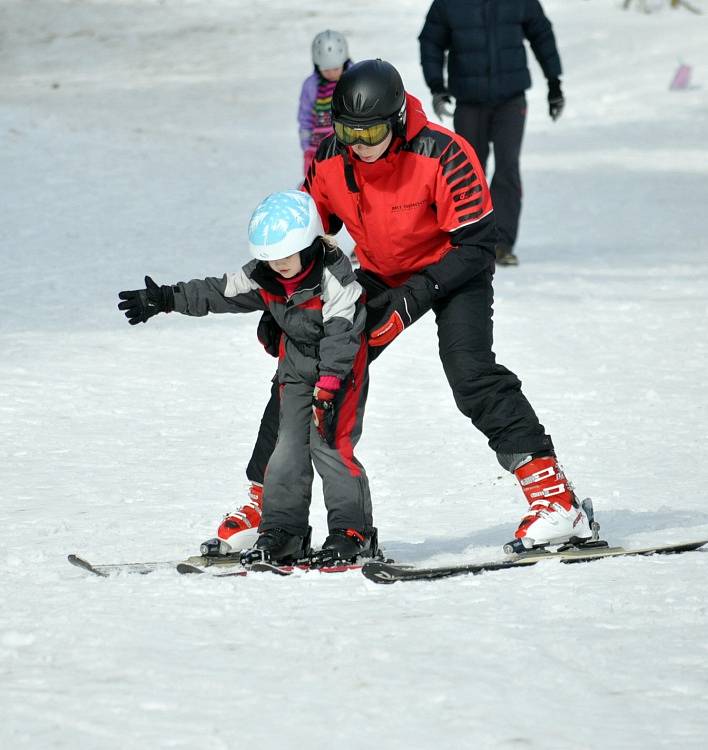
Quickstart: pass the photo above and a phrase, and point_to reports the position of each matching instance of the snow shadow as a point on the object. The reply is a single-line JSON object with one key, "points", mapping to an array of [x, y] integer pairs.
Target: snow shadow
{"points": [[617, 526]]}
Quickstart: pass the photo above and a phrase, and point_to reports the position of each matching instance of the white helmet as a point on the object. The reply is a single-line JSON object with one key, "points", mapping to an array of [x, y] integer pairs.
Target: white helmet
{"points": [[329, 50], [283, 224]]}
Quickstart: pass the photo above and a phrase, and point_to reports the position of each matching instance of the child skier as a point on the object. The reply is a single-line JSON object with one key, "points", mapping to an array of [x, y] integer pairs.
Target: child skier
{"points": [[309, 288], [330, 57]]}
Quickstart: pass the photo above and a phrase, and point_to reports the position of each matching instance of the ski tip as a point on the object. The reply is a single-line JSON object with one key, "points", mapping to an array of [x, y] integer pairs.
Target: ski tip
{"points": [[379, 572], [85, 565], [187, 569], [685, 546], [278, 570]]}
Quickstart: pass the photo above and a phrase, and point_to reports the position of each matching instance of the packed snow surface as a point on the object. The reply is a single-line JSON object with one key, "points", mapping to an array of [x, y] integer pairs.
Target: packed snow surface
{"points": [[136, 138]]}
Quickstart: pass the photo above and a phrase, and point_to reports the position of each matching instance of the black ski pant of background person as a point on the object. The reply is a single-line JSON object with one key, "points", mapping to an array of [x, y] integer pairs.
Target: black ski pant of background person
{"points": [[502, 125], [486, 392]]}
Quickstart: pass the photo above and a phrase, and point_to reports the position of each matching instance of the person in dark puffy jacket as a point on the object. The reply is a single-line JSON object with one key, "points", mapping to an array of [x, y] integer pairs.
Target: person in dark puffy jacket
{"points": [[487, 74], [309, 288]]}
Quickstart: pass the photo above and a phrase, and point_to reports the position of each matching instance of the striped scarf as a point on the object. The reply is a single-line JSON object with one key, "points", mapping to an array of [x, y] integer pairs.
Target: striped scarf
{"points": [[322, 111]]}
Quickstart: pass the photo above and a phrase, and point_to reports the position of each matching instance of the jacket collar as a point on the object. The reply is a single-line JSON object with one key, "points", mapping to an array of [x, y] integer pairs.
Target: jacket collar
{"points": [[310, 285], [416, 120]]}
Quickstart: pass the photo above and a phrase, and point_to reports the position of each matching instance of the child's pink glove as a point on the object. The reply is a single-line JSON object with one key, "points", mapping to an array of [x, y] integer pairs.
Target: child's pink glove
{"points": [[323, 413]]}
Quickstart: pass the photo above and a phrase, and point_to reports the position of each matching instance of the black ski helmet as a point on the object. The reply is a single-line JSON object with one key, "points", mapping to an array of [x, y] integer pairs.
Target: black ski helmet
{"points": [[369, 92]]}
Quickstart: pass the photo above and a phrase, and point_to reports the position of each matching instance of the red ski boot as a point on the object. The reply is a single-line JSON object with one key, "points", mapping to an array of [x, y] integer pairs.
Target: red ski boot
{"points": [[239, 529], [555, 516]]}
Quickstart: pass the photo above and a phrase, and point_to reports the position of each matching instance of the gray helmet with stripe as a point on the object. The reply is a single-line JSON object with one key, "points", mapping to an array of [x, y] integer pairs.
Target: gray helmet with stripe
{"points": [[329, 50]]}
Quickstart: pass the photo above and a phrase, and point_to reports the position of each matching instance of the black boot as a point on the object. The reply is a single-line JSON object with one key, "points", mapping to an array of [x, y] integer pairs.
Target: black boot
{"points": [[345, 546], [505, 255], [278, 546]]}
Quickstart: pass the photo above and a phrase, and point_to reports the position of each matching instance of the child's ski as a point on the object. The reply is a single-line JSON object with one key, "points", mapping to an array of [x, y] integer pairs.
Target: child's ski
{"points": [[264, 567], [142, 568], [228, 566]]}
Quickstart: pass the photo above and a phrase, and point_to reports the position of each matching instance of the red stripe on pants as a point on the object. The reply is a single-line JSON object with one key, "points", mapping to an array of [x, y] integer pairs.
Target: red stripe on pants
{"points": [[348, 410]]}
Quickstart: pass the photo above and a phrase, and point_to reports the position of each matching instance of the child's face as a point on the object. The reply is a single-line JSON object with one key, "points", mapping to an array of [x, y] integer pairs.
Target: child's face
{"points": [[332, 74], [287, 267], [372, 153]]}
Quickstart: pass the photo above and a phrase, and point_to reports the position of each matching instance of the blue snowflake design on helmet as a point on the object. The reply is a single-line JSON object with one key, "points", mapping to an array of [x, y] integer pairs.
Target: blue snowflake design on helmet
{"points": [[278, 215]]}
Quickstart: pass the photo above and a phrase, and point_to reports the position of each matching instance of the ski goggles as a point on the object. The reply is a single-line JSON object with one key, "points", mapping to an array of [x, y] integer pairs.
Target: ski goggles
{"points": [[371, 135]]}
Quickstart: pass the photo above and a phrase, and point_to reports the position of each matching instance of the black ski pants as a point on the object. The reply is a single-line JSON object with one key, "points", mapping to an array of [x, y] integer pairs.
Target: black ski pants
{"points": [[503, 126], [485, 391]]}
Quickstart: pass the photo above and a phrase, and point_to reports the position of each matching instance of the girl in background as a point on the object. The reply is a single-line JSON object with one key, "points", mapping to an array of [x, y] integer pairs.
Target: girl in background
{"points": [[330, 56]]}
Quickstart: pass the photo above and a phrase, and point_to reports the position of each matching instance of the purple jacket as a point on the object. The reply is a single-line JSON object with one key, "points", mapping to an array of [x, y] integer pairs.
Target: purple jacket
{"points": [[315, 123], [308, 94]]}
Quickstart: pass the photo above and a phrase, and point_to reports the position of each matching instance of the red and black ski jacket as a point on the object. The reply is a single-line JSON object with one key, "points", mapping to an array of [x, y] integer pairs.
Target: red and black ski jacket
{"points": [[422, 207]]}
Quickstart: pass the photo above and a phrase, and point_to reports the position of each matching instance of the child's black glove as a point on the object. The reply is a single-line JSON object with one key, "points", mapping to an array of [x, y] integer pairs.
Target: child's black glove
{"points": [[141, 304]]}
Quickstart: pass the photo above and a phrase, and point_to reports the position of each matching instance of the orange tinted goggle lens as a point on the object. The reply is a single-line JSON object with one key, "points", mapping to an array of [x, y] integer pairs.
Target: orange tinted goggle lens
{"points": [[371, 136]]}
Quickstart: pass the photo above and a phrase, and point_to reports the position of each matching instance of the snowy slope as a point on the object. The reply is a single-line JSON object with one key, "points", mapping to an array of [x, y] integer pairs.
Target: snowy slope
{"points": [[136, 137]]}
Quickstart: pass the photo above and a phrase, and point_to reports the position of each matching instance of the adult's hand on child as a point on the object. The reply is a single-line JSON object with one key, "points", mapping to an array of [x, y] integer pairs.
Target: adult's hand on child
{"points": [[140, 305], [323, 413], [269, 334], [400, 307]]}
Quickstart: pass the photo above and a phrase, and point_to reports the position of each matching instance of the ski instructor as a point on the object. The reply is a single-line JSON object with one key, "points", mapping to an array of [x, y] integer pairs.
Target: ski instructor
{"points": [[415, 200]]}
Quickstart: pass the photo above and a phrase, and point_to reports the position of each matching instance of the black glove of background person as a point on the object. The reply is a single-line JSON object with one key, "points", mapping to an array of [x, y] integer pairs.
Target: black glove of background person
{"points": [[441, 100], [556, 101], [400, 307], [141, 304]]}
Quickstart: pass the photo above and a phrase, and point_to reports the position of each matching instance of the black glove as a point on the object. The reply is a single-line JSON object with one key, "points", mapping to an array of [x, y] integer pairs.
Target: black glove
{"points": [[556, 101], [141, 304], [440, 104], [269, 333], [398, 308]]}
